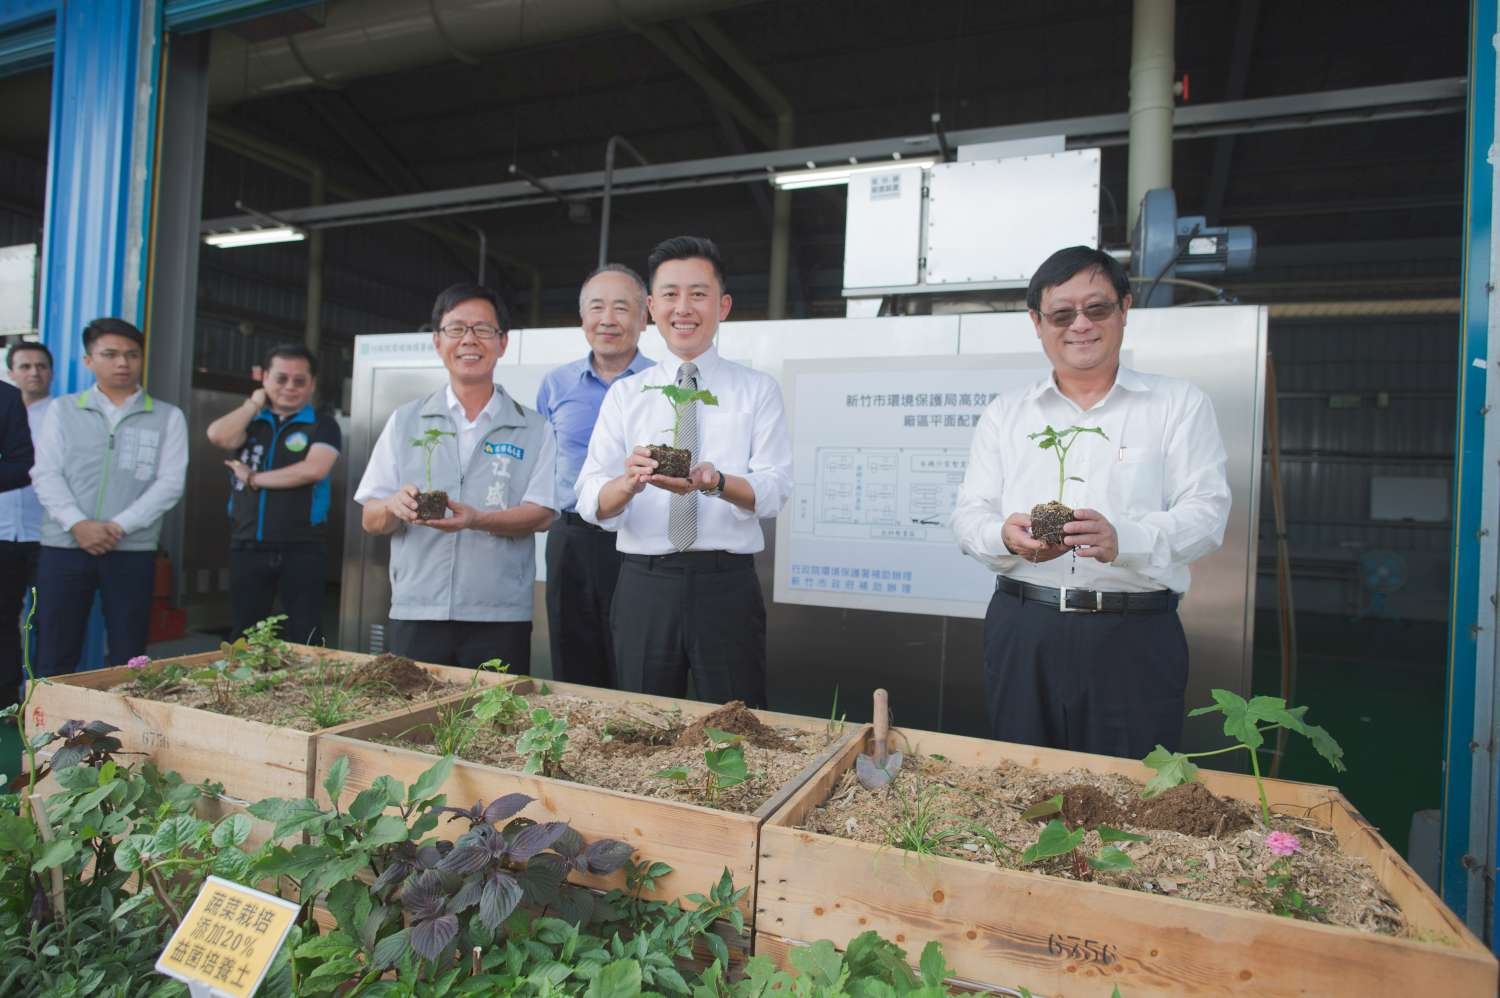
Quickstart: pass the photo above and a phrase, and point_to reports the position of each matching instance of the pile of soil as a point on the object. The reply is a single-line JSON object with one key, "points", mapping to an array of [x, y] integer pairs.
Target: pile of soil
{"points": [[673, 462], [1200, 846], [1190, 809], [624, 746], [1047, 521], [285, 697], [397, 672], [432, 505], [735, 718]]}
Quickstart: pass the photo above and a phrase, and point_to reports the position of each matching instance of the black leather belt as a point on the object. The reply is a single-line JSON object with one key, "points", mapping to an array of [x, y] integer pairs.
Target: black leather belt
{"points": [[1088, 600], [572, 519], [698, 561]]}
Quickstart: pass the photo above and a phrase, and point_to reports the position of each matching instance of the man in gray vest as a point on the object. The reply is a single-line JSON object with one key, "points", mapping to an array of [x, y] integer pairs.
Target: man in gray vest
{"points": [[110, 462], [461, 585]]}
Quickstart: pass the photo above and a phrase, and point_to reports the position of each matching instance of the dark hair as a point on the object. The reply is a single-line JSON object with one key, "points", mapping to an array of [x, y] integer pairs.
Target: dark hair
{"points": [[616, 268], [111, 327], [293, 351], [10, 358], [1060, 267], [685, 248], [455, 295]]}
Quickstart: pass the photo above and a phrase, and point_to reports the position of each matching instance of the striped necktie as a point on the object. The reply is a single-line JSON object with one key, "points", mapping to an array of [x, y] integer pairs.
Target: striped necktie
{"points": [[682, 511]]}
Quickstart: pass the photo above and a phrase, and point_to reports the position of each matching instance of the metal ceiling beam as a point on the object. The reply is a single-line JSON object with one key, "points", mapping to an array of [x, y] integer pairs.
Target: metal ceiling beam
{"points": [[1245, 28], [1333, 107]]}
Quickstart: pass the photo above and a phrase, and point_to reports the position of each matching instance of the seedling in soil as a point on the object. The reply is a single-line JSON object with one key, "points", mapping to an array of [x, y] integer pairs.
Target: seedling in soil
{"points": [[499, 704], [1057, 839], [431, 505], [1247, 722], [456, 724], [1279, 891], [159, 678], [724, 761], [226, 676], [544, 743], [261, 648], [674, 461], [332, 693], [1048, 518], [835, 719], [922, 826]]}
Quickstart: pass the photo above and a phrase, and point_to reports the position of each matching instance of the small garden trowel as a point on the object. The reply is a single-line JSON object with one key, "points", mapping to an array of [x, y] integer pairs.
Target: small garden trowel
{"points": [[879, 768]]}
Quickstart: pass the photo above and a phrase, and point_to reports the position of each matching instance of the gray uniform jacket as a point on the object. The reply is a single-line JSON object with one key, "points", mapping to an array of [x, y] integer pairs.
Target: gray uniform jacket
{"points": [[108, 469], [468, 575]]}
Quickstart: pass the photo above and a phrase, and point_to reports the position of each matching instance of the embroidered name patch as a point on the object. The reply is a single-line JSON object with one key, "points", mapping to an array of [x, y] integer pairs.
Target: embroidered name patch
{"points": [[504, 450]]}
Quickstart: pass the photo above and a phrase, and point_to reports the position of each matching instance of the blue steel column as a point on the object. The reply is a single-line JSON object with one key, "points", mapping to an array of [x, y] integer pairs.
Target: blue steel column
{"points": [[105, 71], [1469, 797]]}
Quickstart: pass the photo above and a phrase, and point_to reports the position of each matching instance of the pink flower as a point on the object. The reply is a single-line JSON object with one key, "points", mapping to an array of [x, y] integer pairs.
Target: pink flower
{"points": [[1283, 843], [139, 662]]}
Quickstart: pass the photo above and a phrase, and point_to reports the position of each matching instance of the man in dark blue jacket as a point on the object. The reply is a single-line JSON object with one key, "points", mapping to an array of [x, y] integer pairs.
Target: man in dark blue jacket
{"points": [[279, 495]]}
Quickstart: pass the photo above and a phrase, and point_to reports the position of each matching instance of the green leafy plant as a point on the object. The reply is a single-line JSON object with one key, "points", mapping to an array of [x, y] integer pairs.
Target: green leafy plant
{"points": [[500, 704], [1279, 890], [724, 764], [680, 399], [544, 742], [1247, 722], [261, 647], [835, 719], [159, 678], [223, 677], [332, 694], [1059, 442], [455, 725], [1057, 839], [429, 441]]}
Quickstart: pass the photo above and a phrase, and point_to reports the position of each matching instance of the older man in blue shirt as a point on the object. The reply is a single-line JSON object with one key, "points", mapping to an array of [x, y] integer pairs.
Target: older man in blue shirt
{"points": [[582, 564]]}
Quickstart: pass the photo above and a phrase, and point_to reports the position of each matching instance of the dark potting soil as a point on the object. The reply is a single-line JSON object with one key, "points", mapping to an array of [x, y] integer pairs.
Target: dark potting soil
{"points": [[735, 718], [432, 505], [1047, 521], [673, 462], [399, 673], [1191, 809]]}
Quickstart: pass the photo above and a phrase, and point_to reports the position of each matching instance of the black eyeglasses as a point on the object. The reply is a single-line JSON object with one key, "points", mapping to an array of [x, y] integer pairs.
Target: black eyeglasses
{"points": [[482, 330], [1095, 312]]}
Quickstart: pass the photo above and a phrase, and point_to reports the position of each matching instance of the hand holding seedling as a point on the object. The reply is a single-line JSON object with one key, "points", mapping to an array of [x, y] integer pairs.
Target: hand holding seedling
{"points": [[403, 503], [1092, 536], [462, 517], [1016, 534]]}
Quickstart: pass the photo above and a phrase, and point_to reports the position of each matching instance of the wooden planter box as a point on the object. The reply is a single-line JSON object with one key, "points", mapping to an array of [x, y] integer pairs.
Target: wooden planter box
{"points": [[252, 759], [698, 842], [1058, 937]]}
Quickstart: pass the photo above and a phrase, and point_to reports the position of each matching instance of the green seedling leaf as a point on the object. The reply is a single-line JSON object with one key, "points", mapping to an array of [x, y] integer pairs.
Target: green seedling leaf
{"points": [[1111, 858], [674, 773], [719, 738], [1055, 840], [337, 774], [620, 979], [232, 831], [1052, 805], [1107, 834], [727, 764], [1172, 768], [57, 852]]}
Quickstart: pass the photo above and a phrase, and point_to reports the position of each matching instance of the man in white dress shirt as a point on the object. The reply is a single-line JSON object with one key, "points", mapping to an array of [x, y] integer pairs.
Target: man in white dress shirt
{"points": [[688, 599], [111, 460], [1083, 648], [461, 585]]}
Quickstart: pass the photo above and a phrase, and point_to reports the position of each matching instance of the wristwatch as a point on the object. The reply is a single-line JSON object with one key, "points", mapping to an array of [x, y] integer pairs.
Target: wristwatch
{"points": [[718, 487]]}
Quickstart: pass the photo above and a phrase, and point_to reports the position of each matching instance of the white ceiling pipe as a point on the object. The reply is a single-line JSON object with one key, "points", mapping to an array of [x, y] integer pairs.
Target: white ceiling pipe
{"points": [[370, 37], [1152, 40]]}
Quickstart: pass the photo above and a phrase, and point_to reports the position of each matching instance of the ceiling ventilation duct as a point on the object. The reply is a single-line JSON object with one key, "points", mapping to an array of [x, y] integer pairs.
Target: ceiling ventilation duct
{"points": [[371, 37]]}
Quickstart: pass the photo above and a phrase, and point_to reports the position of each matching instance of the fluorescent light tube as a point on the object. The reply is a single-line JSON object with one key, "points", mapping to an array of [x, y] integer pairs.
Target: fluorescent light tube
{"points": [[833, 175], [255, 237]]}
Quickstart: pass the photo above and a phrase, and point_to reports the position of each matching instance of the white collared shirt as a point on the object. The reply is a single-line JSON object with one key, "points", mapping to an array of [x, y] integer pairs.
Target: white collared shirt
{"points": [[744, 435], [20, 510], [382, 475], [1159, 478]]}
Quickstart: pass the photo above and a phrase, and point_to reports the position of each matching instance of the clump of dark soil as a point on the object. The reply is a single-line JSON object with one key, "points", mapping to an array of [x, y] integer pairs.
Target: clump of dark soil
{"points": [[735, 718], [1084, 806], [1192, 809], [398, 672], [432, 505], [1048, 520], [673, 462]]}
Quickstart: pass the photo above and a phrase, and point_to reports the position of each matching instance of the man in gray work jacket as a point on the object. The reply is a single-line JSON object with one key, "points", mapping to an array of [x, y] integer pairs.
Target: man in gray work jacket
{"points": [[110, 462], [461, 585]]}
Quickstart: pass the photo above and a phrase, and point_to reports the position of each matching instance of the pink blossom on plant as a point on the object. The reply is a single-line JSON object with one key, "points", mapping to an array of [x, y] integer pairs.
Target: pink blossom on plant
{"points": [[139, 662], [1283, 843]]}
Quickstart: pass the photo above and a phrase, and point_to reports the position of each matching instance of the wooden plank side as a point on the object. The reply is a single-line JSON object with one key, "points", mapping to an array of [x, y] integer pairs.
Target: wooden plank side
{"points": [[1062, 938], [698, 842]]}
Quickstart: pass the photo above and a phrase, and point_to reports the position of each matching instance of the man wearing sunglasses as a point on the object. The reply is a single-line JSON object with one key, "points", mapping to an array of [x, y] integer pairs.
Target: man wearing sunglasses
{"points": [[279, 486], [461, 586], [1082, 645]]}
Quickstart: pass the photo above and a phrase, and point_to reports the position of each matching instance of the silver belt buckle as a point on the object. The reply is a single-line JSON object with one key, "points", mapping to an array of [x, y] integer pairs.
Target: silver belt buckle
{"points": [[1062, 601]]}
